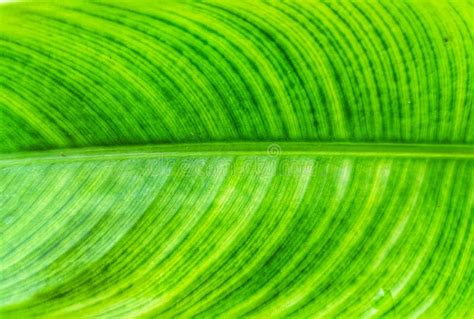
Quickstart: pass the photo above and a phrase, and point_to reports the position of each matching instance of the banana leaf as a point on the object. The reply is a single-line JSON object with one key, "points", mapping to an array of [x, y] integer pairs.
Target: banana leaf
{"points": [[229, 159]]}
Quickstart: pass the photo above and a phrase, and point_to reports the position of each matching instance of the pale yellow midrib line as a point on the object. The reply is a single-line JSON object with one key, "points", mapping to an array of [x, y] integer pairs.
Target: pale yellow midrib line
{"points": [[243, 149]]}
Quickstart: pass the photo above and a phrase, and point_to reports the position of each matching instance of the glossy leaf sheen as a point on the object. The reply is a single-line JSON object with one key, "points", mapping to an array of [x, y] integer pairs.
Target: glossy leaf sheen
{"points": [[236, 159]]}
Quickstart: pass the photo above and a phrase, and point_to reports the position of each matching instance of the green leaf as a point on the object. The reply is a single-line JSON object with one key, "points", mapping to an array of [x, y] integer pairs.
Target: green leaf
{"points": [[236, 159]]}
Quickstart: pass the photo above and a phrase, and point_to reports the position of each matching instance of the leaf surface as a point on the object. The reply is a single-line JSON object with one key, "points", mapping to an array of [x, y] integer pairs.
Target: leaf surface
{"points": [[236, 159]]}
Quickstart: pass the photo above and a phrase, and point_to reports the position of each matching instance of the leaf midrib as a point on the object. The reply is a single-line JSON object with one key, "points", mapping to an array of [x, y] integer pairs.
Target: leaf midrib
{"points": [[452, 151]]}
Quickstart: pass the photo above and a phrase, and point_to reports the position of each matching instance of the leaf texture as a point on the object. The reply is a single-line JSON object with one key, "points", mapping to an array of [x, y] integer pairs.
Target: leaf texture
{"points": [[236, 159]]}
